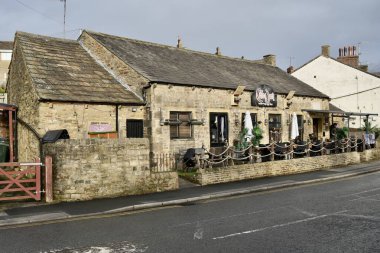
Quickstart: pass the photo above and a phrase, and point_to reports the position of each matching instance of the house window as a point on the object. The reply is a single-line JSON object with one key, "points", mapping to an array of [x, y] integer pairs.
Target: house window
{"points": [[218, 129], [135, 128], [275, 127], [181, 130], [253, 117]]}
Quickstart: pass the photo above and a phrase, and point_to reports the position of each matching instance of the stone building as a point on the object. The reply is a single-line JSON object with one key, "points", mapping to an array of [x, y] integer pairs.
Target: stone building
{"points": [[347, 83], [56, 84], [176, 97]]}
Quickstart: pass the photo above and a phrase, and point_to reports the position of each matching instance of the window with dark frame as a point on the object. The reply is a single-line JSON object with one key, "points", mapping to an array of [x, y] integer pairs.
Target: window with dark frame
{"points": [[275, 127], [183, 129], [135, 128]]}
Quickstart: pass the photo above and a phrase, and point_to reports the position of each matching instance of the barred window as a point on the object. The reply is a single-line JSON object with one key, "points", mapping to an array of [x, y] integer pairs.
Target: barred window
{"points": [[135, 128], [180, 127]]}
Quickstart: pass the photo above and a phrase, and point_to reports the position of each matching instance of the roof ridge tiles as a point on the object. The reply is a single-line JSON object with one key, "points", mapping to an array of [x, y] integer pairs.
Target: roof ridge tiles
{"points": [[184, 49]]}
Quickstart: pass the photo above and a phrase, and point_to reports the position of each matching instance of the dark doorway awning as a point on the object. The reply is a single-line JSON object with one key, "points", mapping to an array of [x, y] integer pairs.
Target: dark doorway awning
{"points": [[339, 113]]}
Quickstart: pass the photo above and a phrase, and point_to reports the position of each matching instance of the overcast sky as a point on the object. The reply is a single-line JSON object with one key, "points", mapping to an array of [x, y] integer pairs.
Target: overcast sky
{"points": [[249, 28]]}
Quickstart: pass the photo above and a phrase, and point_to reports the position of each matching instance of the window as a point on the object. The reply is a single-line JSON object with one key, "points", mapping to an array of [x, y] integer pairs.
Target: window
{"points": [[275, 127], [181, 127], [218, 129], [253, 117], [135, 128]]}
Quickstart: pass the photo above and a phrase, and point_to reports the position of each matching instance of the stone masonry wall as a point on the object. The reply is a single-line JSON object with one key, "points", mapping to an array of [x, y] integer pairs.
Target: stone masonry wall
{"points": [[21, 93], [99, 168], [165, 98], [77, 117], [283, 167]]}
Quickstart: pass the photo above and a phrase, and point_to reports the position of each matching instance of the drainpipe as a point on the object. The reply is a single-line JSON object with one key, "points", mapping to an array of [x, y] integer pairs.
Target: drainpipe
{"points": [[117, 120], [30, 128]]}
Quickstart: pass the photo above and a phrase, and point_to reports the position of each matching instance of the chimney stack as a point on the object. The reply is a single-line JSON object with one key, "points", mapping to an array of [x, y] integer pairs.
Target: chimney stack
{"points": [[348, 55], [290, 70], [218, 52], [326, 50], [179, 42], [270, 59]]}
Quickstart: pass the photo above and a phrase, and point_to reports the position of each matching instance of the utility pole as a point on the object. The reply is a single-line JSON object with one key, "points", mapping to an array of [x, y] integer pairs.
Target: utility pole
{"points": [[64, 18]]}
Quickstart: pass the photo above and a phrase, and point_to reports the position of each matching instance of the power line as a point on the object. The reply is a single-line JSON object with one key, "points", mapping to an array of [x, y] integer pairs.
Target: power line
{"points": [[37, 11]]}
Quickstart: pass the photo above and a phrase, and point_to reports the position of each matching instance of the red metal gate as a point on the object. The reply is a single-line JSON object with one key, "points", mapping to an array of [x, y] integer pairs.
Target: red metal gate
{"points": [[20, 180]]}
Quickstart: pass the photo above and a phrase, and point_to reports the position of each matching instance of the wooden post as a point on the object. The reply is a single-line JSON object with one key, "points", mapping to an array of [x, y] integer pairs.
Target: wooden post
{"points": [[291, 149], [308, 149], [250, 153], [363, 142], [272, 151], [48, 179], [322, 148], [38, 179]]}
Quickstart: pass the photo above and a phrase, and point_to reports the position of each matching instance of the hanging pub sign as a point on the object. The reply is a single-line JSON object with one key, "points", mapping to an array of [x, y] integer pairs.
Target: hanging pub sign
{"points": [[264, 96]]}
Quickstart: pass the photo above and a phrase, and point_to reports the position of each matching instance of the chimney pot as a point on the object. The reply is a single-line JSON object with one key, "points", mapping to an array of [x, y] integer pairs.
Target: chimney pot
{"points": [[179, 42], [290, 70], [218, 52], [326, 50]]}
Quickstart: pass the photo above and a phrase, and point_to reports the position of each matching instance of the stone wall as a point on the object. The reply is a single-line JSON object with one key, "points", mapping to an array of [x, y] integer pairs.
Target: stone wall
{"points": [[99, 168], [165, 98], [283, 167], [21, 93]]}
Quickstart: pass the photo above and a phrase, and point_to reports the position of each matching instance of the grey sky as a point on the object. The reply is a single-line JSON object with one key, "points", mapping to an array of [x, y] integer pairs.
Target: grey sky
{"points": [[250, 28]]}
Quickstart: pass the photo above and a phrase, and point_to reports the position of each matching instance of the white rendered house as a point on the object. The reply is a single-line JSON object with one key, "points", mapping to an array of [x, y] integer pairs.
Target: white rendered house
{"points": [[348, 84]]}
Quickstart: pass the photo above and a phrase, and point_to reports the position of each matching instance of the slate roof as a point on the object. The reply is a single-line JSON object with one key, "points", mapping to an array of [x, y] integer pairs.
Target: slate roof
{"points": [[6, 45], [166, 64], [61, 70]]}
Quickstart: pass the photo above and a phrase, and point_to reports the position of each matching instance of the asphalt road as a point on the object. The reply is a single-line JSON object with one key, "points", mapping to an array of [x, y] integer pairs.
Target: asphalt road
{"points": [[337, 216]]}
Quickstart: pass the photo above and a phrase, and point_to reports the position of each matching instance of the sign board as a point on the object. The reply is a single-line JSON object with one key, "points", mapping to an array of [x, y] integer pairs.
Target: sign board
{"points": [[264, 96]]}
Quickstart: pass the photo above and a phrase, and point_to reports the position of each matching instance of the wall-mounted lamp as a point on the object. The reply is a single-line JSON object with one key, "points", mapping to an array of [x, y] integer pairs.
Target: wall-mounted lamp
{"points": [[288, 122], [309, 122], [266, 122]]}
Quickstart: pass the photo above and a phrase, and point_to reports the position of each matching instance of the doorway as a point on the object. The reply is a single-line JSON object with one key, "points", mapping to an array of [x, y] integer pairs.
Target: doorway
{"points": [[218, 129], [316, 127]]}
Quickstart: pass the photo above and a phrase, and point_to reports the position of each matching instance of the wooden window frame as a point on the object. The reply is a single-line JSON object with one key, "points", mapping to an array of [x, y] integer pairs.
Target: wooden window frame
{"points": [[175, 115]]}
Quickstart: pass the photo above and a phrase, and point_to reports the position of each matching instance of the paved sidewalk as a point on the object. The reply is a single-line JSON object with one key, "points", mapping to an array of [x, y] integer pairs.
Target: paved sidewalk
{"points": [[29, 212]]}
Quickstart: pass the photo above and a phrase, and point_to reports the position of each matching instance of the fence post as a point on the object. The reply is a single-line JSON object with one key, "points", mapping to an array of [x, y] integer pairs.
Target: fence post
{"points": [[308, 148], [323, 150], [291, 149], [272, 152], [48, 179], [38, 180], [363, 142], [250, 152]]}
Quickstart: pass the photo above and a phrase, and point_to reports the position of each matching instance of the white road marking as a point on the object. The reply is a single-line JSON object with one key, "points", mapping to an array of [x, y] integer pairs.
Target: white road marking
{"points": [[303, 212], [366, 197], [357, 193], [372, 218], [198, 232], [215, 219], [122, 247], [278, 225]]}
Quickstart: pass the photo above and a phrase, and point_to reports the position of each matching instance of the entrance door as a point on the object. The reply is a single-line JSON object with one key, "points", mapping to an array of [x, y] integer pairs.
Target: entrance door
{"points": [[218, 129]]}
